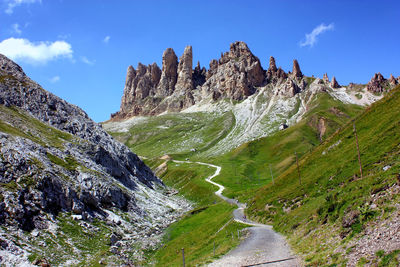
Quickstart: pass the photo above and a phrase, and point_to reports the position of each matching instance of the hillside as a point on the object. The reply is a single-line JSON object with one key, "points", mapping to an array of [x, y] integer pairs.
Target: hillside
{"points": [[69, 193], [333, 215]]}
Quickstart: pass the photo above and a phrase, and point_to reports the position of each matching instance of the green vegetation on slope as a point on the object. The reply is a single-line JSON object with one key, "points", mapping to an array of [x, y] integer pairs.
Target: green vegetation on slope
{"points": [[313, 209], [208, 224], [17, 122], [177, 133], [247, 168]]}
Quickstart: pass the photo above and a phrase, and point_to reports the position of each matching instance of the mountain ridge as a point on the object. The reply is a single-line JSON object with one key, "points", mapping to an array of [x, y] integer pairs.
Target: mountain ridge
{"points": [[237, 75], [60, 171]]}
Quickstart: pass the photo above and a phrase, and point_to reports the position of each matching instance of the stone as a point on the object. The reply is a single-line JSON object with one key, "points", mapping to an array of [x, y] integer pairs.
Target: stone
{"points": [[199, 76], [326, 78], [376, 84], [393, 81], [235, 75], [296, 69], [334, 83], [185, 82], [272, 68], [289, 89], [169, 73]]}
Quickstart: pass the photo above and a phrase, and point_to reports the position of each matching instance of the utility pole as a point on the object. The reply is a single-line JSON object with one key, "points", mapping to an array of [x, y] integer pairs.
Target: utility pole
{"points": [[358, 150], [271, 174], [298, 169], [183, 256], [214, 248]]}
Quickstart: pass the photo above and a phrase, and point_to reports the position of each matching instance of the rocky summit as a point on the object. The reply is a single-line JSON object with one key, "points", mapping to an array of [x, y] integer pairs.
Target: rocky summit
{"points": [[237, 75], [59, 170]]}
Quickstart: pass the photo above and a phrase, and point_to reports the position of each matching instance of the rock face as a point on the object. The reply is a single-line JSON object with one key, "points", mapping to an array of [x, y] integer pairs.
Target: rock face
{"points": [[325, 78], [199, 75], [377, 83], [185, 71], [236, 75], [296, 69], [393, 81], [334, 83], [55, 159], [139, 85], [169, 74]]}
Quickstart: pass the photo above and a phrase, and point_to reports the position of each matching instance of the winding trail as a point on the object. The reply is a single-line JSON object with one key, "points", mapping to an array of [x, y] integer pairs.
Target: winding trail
{"points": [[263, 247]]}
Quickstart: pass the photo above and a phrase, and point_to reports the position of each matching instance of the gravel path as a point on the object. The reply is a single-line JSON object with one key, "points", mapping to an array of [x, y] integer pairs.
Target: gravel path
{"points": [[263, 246]]}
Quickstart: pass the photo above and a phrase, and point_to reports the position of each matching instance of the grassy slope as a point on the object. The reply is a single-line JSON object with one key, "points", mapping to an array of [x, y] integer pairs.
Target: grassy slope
{"points": [[312, 212], [244, 170], [200, 229], [177, 133], [248, 167]]}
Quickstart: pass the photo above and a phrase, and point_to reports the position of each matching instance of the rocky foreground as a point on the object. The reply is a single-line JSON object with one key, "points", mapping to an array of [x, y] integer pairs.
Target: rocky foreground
{"points": [[62, 174]]}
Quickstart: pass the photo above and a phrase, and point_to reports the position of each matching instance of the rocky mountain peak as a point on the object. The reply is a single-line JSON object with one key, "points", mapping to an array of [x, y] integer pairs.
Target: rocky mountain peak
{"points": [[334, 83], [376, 84], [393, 81], [272, 65], [185, 70], [325, 78], [296, 69], [235, 75], [169, 73], [10, 68]]}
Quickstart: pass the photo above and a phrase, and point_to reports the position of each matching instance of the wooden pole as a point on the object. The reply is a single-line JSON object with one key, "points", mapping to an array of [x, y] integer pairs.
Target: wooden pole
{"points": [[271, 174], [214, 248], [238, 234], [298, 169], [183, 256], [358, 150]]}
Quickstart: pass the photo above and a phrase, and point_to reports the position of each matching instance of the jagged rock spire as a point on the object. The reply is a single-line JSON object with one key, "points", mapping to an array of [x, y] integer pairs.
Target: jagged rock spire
{"points": [[392, 80], [185, 71], [334, 83], [272, 65], [169, 73], [296, 69], [325, 78]]}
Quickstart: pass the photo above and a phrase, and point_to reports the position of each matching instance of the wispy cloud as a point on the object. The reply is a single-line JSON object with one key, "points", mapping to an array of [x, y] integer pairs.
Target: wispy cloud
{"points": [[16, 29], [11, 4], [87, 61], [55, 79], [106, 39], [35, 52], [311, 38]]}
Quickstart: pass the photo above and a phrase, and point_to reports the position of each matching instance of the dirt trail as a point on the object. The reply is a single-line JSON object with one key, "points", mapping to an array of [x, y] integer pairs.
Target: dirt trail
{"points": [[263, 247]]}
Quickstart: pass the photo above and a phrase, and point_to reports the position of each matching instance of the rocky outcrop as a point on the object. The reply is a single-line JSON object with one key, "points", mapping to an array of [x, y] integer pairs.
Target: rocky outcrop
{"points": [[185, 71], [55, 159], [334, 83], [139, 85], [325, 78], [199, 75], [289, 89], [296, 69], [236, 74], [393, 81], [377, 84], [169, 74]]}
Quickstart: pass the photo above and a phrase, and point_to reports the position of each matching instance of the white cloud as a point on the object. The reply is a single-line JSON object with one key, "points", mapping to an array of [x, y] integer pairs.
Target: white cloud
{"points": [[16, 29], [311, 38], [11, 4], [87, 61], [35, 53], [106, 39], [55, 79]]}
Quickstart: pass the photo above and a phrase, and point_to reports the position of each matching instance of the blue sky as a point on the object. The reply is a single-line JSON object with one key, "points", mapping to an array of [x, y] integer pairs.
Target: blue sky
{"points": [[80, 50]]}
